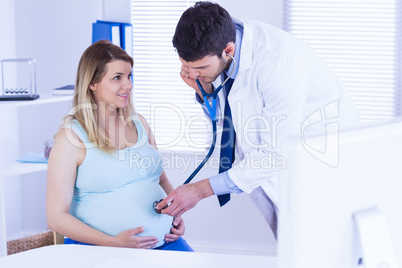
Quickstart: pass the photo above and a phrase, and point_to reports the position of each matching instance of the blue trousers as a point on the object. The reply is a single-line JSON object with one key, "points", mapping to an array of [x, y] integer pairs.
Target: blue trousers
{"points": [[179, 245]]}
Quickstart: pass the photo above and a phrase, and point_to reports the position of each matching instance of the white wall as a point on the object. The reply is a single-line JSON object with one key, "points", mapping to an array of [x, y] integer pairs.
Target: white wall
{"points": [[7, 30], [7, 33], [268, 11], [117, 10], [55, 33]]}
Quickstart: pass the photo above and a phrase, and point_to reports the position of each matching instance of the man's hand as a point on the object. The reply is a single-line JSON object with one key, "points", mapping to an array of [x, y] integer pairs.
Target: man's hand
{"points": [[185, 197]]}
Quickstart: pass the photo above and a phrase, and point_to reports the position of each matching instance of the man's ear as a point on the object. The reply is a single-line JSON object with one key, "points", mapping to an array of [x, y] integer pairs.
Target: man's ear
{"points": [[229, 49]]}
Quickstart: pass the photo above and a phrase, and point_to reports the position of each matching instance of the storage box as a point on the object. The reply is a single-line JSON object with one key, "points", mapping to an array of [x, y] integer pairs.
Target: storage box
{"points": [[30, 242]]}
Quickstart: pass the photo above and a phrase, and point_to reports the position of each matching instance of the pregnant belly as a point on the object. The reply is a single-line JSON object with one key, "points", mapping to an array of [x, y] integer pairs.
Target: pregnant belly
{"points": [[123, 209]]}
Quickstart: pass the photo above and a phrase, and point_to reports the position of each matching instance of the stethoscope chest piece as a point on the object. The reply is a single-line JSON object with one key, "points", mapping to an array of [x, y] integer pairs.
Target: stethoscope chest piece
{"points": [[155, 204]]}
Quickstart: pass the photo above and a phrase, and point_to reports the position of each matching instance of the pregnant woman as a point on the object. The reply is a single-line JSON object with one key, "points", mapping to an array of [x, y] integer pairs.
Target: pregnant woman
{"points": [[104, 168]]}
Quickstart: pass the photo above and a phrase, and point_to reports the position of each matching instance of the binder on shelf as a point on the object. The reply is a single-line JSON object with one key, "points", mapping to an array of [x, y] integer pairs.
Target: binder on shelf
{"points": [[66, 90], [125, 33], [106, 31]]}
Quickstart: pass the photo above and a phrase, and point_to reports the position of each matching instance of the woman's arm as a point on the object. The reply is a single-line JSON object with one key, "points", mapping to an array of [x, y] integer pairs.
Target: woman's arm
{"points": [[65, 157]]}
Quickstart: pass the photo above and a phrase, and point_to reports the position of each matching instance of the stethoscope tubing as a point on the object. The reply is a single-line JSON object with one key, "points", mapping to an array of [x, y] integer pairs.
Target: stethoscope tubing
{"points": [[213, 143], [212, 114]]}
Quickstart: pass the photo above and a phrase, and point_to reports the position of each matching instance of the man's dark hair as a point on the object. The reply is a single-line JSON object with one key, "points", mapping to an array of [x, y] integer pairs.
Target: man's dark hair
{"points": [[204, 29]]}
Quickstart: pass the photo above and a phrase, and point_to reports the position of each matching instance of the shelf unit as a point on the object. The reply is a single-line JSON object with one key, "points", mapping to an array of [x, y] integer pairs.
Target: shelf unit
{"points": [[23, 169], [25, 126]]}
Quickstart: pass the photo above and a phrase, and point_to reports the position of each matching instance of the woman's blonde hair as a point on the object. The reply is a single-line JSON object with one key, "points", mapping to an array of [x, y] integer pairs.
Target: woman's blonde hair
{"points": [[91, 70]]}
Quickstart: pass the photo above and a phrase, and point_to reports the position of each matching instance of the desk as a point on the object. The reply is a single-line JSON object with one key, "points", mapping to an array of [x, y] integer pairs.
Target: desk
{"points": [[76, 256]]}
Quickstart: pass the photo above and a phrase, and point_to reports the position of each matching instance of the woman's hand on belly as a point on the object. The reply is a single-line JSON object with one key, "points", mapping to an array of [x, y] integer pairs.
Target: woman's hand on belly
{"points": [[130, 239], [176, 231]]}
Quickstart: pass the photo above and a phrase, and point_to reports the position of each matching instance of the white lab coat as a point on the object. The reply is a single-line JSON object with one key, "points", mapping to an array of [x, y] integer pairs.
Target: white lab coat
{"points": [[280, 83]]}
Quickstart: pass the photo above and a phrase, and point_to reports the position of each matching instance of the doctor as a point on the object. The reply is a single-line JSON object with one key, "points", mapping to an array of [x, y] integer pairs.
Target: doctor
{"points": [[278, 84]]}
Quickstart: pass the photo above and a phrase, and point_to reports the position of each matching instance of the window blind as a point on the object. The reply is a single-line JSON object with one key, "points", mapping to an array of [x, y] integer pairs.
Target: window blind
{"points": [[160, 95], [361, 41]]}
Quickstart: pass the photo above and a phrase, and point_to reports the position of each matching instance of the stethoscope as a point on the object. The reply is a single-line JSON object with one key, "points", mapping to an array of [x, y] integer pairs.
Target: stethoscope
{"points": [[212, 114]]}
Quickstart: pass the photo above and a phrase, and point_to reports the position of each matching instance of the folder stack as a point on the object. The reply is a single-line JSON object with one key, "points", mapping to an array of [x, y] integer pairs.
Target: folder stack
{"points": [[119, 33]]}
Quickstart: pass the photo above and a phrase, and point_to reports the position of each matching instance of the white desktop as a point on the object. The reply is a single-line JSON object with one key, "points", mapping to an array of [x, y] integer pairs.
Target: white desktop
{"points": [[341, 200]]}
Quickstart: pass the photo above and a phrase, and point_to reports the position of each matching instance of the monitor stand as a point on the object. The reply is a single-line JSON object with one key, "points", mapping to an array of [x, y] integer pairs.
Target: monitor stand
{"points": [[376, 245]]}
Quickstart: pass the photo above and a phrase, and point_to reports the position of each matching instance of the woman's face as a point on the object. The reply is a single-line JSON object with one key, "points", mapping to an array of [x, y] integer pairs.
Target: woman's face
{"points": [[114, 88]]}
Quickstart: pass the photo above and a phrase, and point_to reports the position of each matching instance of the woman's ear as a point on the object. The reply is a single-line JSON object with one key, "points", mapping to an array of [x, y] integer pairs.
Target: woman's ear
{"points": [[92, 87]]}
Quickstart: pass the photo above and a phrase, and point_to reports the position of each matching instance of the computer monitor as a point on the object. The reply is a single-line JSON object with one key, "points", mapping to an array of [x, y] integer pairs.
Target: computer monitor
{"points": [[341, 199]]}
